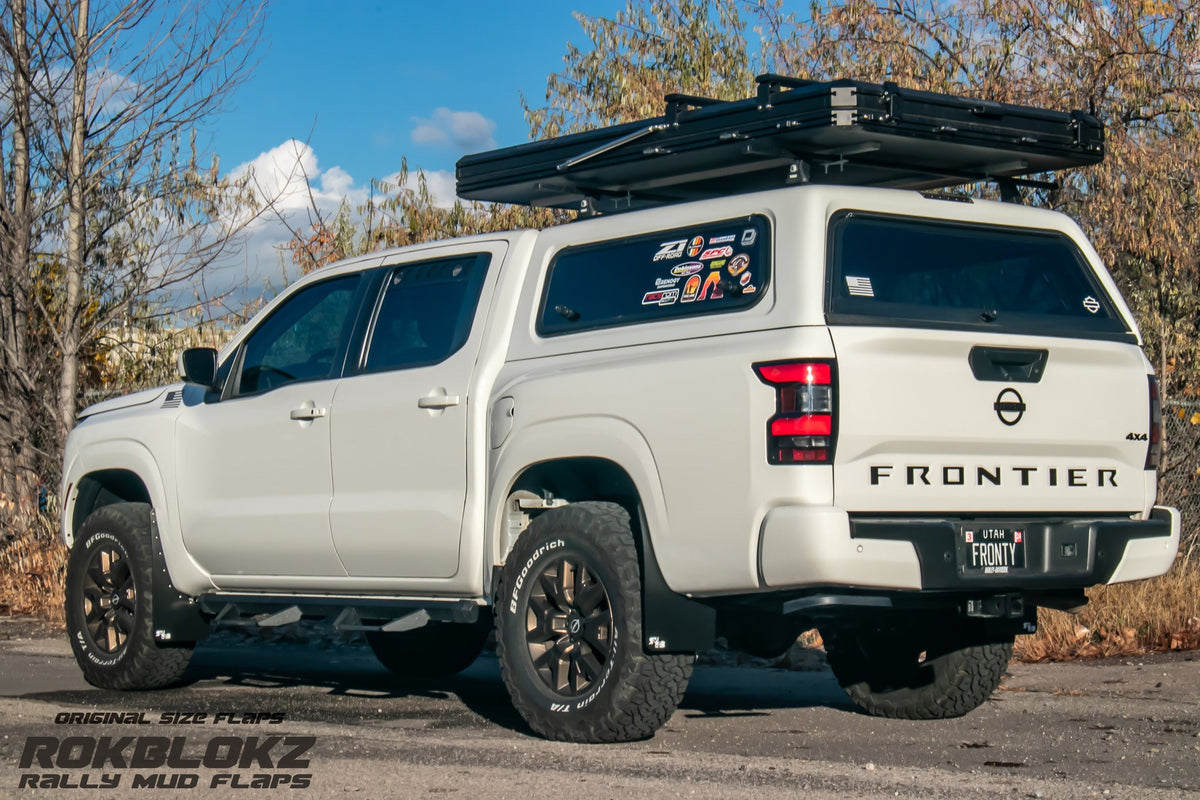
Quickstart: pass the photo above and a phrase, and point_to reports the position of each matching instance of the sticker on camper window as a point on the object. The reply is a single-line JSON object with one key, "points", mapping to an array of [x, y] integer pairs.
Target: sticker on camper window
{"points": [[738, 264], [690, 268], [713, 281], [664, 298], [1091, 304], [748, 237], [860, 287], [670, 250]]}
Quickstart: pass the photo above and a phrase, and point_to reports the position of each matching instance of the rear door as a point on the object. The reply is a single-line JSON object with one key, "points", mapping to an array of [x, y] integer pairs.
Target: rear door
{"points": [[399, 423], [981, 369]]}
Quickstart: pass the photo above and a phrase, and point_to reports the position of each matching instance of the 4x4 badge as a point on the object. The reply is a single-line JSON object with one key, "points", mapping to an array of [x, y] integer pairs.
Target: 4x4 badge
{"points": [[1009, 406]]}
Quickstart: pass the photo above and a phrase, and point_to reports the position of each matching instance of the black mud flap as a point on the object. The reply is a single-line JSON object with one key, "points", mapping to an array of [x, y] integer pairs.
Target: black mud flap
{"points": [[671, 623], [177, 617]]}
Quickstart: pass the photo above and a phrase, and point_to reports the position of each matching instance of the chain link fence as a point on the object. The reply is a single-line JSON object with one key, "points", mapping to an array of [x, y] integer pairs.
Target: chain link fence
{"points": [[1179, 475]]}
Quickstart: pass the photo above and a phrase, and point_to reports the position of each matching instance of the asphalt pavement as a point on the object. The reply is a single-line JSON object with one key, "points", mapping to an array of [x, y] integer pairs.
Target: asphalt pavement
{"points": [[328, 721]]}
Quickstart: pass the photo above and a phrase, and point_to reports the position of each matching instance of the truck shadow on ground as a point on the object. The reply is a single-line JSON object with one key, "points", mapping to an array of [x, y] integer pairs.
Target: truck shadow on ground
{"points": [[348, 686]]}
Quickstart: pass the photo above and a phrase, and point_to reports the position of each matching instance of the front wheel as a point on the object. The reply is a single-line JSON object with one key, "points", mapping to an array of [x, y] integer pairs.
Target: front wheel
{"points": [[569, 631], [109, 603], [928, 669]]}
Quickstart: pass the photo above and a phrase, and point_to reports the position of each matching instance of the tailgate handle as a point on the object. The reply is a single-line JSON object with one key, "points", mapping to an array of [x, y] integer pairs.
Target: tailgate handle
{"points": [[1008, 364]]}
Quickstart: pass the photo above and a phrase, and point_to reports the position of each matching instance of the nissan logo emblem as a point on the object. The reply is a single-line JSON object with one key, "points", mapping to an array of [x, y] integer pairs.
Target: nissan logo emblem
{"points": [[1009, 406]]}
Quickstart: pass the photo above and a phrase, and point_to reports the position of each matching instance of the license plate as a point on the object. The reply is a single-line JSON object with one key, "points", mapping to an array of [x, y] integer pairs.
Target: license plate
{"points": [[992, 551]]}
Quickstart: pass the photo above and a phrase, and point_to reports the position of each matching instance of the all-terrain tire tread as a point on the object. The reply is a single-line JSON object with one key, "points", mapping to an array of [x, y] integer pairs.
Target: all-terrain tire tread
{"points": [[964, 680]]}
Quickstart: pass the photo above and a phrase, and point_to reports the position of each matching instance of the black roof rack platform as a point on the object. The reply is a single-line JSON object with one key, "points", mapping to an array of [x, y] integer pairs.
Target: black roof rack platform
{"points": [[793, 131]]}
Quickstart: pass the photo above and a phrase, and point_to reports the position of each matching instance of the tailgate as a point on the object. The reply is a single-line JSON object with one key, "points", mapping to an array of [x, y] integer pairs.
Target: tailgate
{"points": [[921, 432]]}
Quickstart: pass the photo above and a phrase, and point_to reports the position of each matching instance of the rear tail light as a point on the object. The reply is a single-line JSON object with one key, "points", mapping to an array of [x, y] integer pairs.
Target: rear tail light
{"points": [[802, 430], [1154, 450]]}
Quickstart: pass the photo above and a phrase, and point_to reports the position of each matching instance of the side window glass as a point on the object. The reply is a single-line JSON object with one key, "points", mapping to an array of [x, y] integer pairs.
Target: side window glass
{"points": [[299, 341], [425, 313], [707, 268]]}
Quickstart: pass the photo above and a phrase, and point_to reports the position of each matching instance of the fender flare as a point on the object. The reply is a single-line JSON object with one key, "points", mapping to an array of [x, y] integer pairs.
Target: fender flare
{"points": [[177, 617], [671, 622]]}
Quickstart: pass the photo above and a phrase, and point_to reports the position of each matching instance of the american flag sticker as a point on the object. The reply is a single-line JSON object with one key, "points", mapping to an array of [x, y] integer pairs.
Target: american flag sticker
{"points": [[860, 287]]}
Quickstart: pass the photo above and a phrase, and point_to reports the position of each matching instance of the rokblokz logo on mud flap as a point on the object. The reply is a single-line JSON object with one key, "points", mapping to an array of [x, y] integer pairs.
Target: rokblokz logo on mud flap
{"points": [[257, 761]]}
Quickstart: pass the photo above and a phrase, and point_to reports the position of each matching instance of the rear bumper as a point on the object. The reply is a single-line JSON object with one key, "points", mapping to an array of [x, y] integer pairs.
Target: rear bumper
{"points": [[804, 547]]}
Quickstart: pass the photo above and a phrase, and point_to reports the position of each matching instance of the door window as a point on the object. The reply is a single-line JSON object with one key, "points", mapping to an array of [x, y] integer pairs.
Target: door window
{"points": [[301, 339], [425, 313]]}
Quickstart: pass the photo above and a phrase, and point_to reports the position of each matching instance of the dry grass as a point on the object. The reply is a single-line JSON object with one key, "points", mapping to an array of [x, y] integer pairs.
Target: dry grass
{"points": [[1127, 618], [33, 568]]}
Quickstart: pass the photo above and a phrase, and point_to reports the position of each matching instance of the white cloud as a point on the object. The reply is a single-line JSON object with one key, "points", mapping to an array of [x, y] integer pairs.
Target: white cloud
{"points": [[289, 179], [290, 182], [441, 185], [463, 130]]}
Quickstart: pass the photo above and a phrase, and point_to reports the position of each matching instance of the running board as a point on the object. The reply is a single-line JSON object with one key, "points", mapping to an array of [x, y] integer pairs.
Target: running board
{"points": [[343, 613]]}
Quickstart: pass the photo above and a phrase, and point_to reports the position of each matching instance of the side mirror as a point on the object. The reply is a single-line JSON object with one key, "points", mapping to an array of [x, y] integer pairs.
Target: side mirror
{"points": [[199, 365]]}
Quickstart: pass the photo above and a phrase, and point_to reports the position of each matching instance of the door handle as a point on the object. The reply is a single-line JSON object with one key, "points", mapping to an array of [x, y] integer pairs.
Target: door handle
{"points": [[438, 401], [308, 413]]}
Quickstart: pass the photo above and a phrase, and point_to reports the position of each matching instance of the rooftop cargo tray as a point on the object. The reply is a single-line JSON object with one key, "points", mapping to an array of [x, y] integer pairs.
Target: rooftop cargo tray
{"points": [[793, 131]]}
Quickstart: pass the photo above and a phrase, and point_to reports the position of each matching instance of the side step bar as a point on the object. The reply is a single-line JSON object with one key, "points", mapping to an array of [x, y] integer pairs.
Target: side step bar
{"points": [[343, 613]]}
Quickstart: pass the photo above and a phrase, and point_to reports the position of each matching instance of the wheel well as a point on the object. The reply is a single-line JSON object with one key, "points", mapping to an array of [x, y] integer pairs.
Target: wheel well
{"points": [[105, 487], [575, 479]]}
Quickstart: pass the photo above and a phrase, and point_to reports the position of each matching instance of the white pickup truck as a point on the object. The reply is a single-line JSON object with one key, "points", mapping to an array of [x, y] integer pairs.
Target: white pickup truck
{"points": [[907, 419]]}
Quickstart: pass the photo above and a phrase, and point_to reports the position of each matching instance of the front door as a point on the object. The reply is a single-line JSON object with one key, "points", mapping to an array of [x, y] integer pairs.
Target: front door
{"points": [[254, 471]]}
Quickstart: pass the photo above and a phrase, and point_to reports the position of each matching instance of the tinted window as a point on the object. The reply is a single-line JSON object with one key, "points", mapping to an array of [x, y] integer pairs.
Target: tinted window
{"points": [[300, 340], [719, 266], [908, 269], [425, 313]]}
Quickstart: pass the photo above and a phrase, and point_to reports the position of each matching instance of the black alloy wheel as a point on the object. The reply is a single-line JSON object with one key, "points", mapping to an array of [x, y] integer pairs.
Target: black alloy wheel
{"points": [[569, 626], [109, 598]]}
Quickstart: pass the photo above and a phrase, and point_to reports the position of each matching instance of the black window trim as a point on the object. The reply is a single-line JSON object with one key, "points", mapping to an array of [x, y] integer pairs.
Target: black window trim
{"points": [[833, 276], [768, 246], [229, 390]]}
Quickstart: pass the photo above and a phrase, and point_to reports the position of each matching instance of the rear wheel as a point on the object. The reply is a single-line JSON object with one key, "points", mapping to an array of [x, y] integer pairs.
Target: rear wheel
{"points": [[935, 669], [109, 603], [569, 631], [438, 648]]}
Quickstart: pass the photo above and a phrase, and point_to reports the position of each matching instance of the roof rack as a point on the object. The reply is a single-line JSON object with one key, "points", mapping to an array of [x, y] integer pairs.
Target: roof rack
{"points": [[793, 131]]}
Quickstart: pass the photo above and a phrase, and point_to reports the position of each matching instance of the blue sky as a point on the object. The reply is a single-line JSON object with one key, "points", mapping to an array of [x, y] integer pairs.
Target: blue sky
{"points": [[343, 89], [366, 82]]}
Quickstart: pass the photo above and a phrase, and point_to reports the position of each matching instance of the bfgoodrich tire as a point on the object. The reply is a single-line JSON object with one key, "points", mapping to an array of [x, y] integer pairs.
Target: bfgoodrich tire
{"points": [[936, 669], [569, 631], [109, 603], [435, 650]]}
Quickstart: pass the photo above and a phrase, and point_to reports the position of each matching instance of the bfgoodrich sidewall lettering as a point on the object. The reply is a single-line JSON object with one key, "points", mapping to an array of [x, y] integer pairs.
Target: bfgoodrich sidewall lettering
{"points": [[523, 576]]}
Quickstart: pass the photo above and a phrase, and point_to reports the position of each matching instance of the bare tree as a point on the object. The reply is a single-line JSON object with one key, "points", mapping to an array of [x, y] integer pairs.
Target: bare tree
{"points": [[108, 210]]}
